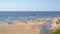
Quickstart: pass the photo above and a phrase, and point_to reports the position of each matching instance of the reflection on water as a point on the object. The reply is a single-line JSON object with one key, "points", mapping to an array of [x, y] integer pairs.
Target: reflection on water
{"points": [[45, 27]]}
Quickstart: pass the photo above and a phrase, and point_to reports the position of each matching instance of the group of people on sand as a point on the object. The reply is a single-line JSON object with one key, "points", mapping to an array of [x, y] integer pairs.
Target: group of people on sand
{"points": [[25, 21]]}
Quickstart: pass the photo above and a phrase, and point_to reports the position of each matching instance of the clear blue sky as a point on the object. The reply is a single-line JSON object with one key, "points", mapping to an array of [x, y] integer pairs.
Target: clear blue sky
{"points": [[29, 5]]}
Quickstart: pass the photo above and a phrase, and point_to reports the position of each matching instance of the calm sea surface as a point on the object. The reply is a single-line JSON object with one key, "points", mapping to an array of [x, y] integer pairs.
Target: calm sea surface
{"points": [[5, 16]]}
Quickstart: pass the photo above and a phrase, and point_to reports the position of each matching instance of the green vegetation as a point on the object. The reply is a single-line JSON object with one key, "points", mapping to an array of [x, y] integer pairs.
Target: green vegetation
{"points": [[58, 21], [57, 31]]}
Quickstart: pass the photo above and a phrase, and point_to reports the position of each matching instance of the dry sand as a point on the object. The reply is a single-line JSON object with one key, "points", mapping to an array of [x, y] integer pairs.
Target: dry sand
{"points": [[21, 28]]}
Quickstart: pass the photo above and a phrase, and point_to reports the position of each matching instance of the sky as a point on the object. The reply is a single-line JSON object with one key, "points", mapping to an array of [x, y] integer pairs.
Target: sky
{"points": [[29, 5]]}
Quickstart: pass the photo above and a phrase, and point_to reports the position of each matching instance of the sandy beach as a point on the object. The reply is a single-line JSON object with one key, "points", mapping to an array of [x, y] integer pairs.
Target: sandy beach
{"points": [[21, 27], [26, 26]]}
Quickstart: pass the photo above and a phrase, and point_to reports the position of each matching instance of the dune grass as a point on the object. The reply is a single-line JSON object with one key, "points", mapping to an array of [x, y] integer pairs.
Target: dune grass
{"points": [[57, 31]]}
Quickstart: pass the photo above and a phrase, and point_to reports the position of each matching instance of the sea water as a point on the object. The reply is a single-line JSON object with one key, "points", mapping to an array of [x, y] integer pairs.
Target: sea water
{"points": [[11, 15]]}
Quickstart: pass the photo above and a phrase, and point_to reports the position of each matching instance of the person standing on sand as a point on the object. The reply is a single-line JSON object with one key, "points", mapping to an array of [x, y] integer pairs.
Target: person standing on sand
{"points": [[25, 22]]}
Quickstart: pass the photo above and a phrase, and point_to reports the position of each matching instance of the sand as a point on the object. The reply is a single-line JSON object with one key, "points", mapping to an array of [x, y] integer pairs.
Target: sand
{"points": [[21, 27]]}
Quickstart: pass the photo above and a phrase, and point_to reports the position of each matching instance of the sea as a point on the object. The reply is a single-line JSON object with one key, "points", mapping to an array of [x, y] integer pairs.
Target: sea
{"points": [[6, 16]]}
